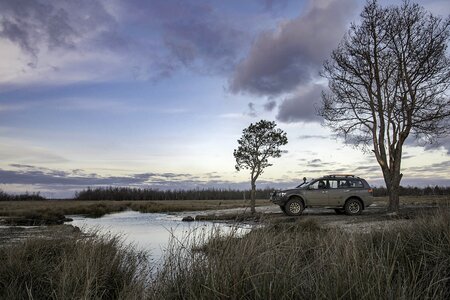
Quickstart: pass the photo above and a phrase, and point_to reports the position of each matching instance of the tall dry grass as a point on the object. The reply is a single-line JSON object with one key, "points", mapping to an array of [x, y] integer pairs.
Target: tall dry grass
{"points": [[72, 267], [54, 209], [301, 260]]}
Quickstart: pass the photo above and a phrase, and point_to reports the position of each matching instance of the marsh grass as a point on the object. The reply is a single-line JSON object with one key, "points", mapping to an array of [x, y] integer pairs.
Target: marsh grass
{"points": [[72, 267], [54, 211], [302, 260]]}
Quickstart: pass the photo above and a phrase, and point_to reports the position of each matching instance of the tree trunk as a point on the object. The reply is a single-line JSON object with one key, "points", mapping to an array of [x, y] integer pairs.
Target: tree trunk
{"points": [[393, 186], [394, 199], [252, 198]]}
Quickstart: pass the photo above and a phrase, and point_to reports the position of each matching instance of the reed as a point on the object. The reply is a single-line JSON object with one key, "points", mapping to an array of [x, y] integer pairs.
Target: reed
{"points": [[302, 260], [72, 267]]}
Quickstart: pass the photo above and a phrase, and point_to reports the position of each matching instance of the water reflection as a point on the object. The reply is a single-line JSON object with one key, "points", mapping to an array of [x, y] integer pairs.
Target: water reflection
{"points": [[151, 232]]}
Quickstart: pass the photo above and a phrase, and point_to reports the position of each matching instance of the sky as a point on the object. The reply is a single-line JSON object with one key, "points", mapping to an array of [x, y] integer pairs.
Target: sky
{"points": [[156, 94]]}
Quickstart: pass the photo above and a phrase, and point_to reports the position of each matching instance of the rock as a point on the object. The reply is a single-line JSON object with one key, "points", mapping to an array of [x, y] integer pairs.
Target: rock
{"points": [[188, 219]]}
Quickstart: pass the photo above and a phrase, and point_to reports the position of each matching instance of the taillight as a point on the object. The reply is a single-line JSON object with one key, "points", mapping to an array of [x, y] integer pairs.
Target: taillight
{"points": [[370, 191]]}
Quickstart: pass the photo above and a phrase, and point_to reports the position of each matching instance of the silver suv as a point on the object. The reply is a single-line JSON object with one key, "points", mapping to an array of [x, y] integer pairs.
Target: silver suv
{"points": [[343, 193]]}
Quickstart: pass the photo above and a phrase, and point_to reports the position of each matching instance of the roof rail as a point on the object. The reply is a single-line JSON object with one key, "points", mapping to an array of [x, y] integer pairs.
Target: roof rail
{"points": [[340, 175]]}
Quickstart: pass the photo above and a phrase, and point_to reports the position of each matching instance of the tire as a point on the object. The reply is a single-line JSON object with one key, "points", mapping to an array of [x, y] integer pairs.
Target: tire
{"points": [[353, 207], [294, 207], [283, 209], [339, 211]]}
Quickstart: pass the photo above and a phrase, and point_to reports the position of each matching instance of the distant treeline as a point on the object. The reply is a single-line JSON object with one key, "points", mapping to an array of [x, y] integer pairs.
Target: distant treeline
{"points": [[414, 191], [125, 193], [22, 197]]}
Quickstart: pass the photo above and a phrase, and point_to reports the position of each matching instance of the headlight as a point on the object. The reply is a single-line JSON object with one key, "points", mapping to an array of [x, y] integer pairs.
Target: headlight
{"points": [[282, 194]]}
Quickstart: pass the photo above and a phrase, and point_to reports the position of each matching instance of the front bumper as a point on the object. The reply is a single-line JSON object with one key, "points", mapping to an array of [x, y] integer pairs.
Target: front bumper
{"points": [[277, 198]]}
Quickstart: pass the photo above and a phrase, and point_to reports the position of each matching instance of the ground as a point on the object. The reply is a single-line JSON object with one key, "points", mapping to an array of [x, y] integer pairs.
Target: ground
{"points": [[374, 217]]}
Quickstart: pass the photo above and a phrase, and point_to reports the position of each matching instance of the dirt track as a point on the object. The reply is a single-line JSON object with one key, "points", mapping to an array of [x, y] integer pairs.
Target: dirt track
{"points": [[374, 217]]}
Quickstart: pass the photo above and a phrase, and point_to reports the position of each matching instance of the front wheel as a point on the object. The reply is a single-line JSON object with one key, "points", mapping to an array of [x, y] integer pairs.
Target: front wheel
{"points": [[294, 207], [353, 207]]}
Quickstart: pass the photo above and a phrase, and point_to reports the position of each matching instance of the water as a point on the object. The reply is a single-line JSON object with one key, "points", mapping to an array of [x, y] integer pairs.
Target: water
{"points": [[151, 232]]}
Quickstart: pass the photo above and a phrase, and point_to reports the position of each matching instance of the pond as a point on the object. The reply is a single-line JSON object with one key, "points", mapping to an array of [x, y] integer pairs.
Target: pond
{"points": [[151, 232]]}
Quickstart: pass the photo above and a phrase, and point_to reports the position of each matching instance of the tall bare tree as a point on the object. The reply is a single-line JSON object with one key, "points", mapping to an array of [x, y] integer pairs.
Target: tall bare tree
{"points": [[259, 142], [389, 79]]}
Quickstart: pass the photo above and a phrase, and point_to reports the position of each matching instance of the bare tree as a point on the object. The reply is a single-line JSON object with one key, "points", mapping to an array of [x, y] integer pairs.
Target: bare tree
{"points": [[388, 79], [258, 143]]}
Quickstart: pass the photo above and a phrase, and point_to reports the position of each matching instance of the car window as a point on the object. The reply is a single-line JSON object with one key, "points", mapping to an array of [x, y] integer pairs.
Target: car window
{"points": [[333, 184], [355, 183], [318, 185]]}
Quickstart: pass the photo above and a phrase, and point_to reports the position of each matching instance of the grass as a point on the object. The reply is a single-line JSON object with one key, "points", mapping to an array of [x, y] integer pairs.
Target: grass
{"points": [[72, 267], [292, 259], [302, 260], [53, 211], [417, 200]]}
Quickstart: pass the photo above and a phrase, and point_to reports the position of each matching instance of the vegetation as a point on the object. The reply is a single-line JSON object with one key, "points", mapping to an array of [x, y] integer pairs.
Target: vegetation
{"points": [[289, 258], [414, 191], [137, 194], [388, 80], [125, 193], [72, 267], [21, 197], [301, 260], [54, 211], [259, 142]]}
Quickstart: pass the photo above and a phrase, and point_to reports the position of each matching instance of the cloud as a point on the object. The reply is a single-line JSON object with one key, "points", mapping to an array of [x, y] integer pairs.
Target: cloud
{"points": [[443, 143], [281, 59], [199, 34], [301, 107], [273, 4], [24, 174], [252, 110], [270, 105], [312, 136], [35, 24], [63, 41]]}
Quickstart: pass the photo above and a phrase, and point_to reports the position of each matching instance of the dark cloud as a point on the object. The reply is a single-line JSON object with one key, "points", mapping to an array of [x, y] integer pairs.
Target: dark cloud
{"points": [[270, 105], [443, 167], [44, 176], [312, 136], [316, 160], [59, 181], [199, 33], [301, 107], [252, 110], [366, 169], [54, 24], [281, 59], [440, 143], [156, 37], [443, 143]]}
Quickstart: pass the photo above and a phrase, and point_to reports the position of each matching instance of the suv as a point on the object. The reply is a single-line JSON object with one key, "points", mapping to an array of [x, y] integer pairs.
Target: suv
{"points": [[343, 193]]}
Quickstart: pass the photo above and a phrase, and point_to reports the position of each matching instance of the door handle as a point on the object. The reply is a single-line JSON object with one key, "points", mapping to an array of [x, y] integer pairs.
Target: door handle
{"points": [[324, 192], [347, 190]]}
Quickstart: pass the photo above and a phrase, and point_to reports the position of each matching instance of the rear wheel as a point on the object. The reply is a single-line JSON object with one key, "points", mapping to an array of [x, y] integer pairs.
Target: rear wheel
{"points": [[353, 207], [294, 207]]}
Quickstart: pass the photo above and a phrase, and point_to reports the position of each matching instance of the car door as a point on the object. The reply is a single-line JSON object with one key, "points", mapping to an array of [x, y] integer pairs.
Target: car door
{"points": [[316, 194], [338, 191]]}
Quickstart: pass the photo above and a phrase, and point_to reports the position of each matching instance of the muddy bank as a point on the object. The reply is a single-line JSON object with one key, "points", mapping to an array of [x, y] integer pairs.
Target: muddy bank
{"points": [[373, 218], [16, 234]]}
